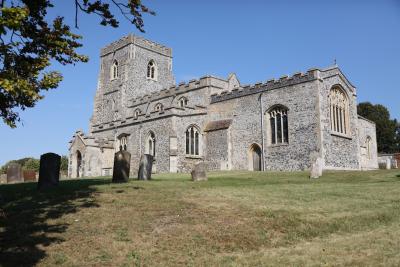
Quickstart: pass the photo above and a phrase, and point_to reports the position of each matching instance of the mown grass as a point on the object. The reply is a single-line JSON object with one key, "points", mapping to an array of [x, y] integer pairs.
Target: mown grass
{"points": [[234, 219]]}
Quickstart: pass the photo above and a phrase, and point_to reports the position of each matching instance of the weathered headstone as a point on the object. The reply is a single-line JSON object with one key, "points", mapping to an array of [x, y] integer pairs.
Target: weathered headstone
{"points": [[145, 167], [199, 172], [29, 176], [316, 168], [3, 178], [388, 164], [14, 173], [49, 172], [121, 168]]}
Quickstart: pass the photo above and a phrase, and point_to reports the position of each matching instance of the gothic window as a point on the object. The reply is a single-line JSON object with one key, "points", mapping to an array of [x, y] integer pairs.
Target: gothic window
{"points": [[122, 143], [136, 114], [278, 124], [151, 144], [183, 101], [151, 70], [193, 141], [339, 111], [159, 107], [114, 70]]}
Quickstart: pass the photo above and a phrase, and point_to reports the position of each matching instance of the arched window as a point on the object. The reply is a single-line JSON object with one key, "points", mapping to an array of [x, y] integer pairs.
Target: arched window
{"points": [[339, 111], [159, 107], [114, 70], [368, 145], [151, 144], [136, 114], [122, 143], [193, 141], [151, 70], [183, 101], [279, 127]]}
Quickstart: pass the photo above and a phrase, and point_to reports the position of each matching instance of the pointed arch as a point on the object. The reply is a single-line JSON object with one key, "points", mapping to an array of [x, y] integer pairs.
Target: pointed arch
{"points": [[152, 70], [254, 157], [278, 125], [150, 145], [193, 141], [114, 70], [339, 110]]}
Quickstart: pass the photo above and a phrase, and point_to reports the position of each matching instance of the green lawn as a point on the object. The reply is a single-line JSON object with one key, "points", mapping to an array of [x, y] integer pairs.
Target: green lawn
{"points": [[234, 219]]}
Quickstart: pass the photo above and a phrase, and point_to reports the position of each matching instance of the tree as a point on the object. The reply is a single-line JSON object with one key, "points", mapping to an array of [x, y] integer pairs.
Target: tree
{"points": [[64, 164], [385, 127], [32, 164], [28, 43]]}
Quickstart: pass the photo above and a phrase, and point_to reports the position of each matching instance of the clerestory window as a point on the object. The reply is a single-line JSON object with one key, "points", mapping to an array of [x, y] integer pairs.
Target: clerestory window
{"points": [[183, 102]]}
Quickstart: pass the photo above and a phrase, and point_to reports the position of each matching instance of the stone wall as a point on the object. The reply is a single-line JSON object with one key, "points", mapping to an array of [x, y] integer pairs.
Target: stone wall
{"points": [[368, 144]]}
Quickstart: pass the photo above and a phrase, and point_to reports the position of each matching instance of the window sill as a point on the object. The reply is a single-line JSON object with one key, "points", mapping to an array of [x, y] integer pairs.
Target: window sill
{"points": [[151, 79], [278, 145], [193, 157], [341, 135]]}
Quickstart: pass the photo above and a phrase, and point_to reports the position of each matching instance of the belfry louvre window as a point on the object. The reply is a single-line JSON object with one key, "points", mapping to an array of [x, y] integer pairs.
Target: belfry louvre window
{"points": [[339, 111], [151, 70], [279, 132], [114, 70], [192, 141]]}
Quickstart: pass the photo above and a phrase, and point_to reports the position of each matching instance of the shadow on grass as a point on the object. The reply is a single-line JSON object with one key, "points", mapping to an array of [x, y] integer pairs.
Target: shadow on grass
{"points": [[25, 213]]}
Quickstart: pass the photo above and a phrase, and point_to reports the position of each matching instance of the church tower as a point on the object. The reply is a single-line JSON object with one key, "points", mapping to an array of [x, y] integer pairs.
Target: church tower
{"points": [[130, 67]]}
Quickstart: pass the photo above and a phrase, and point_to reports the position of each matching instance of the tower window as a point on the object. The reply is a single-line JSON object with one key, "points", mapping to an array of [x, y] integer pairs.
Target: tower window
{"points": [[151, 70], [114, 70]]}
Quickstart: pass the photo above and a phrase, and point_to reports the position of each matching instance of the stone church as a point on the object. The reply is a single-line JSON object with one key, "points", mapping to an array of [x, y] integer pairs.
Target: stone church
{"points": [[283, 124]]}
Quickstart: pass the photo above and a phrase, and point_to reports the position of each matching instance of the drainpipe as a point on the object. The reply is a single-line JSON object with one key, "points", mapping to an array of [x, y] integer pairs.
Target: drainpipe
{"points": [[262, 131]]}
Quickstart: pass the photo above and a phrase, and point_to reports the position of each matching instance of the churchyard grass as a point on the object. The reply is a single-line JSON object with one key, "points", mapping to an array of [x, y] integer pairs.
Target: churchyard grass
{"points": [[233, 219]]}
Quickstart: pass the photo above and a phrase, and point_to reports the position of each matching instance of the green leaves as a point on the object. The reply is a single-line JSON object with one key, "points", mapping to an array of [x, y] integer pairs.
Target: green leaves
{"points": [[28, 42]]}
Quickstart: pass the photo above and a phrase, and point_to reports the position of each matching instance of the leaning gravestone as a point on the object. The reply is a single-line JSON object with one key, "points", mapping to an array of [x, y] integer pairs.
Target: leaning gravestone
{"points": [[121, 168], [49, 171], [145, 167], [29, 176], [316, 169], [14, 173], [199, 172]]}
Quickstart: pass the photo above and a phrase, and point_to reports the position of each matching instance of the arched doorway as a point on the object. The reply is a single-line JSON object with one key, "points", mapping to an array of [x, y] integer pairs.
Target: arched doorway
{"points": [[255, 158], [78, 163]]}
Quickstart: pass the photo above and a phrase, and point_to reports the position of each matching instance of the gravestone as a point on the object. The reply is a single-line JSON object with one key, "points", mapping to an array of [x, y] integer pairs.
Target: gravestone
{"points": [[199, 172], [3, 178], [388, 164], [121, 168], [29, 176], [145, 167], [49, 171], [14, 173], [316, 169]]}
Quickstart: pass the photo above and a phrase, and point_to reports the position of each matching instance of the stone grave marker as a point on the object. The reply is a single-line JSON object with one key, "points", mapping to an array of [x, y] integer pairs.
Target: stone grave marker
{"points": [[199, 172], [145, 167], [121, 168], [49, 172], [316, 169], [3, 178], [29, 176], [14, 173]]}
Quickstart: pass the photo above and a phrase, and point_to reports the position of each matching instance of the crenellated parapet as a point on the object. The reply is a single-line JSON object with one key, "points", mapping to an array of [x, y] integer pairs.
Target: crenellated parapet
{"points": [[272, 84], [136, 40]]}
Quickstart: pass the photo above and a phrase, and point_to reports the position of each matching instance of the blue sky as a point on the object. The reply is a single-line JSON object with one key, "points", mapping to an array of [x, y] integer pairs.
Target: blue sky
{"points": [[256, 39]]}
